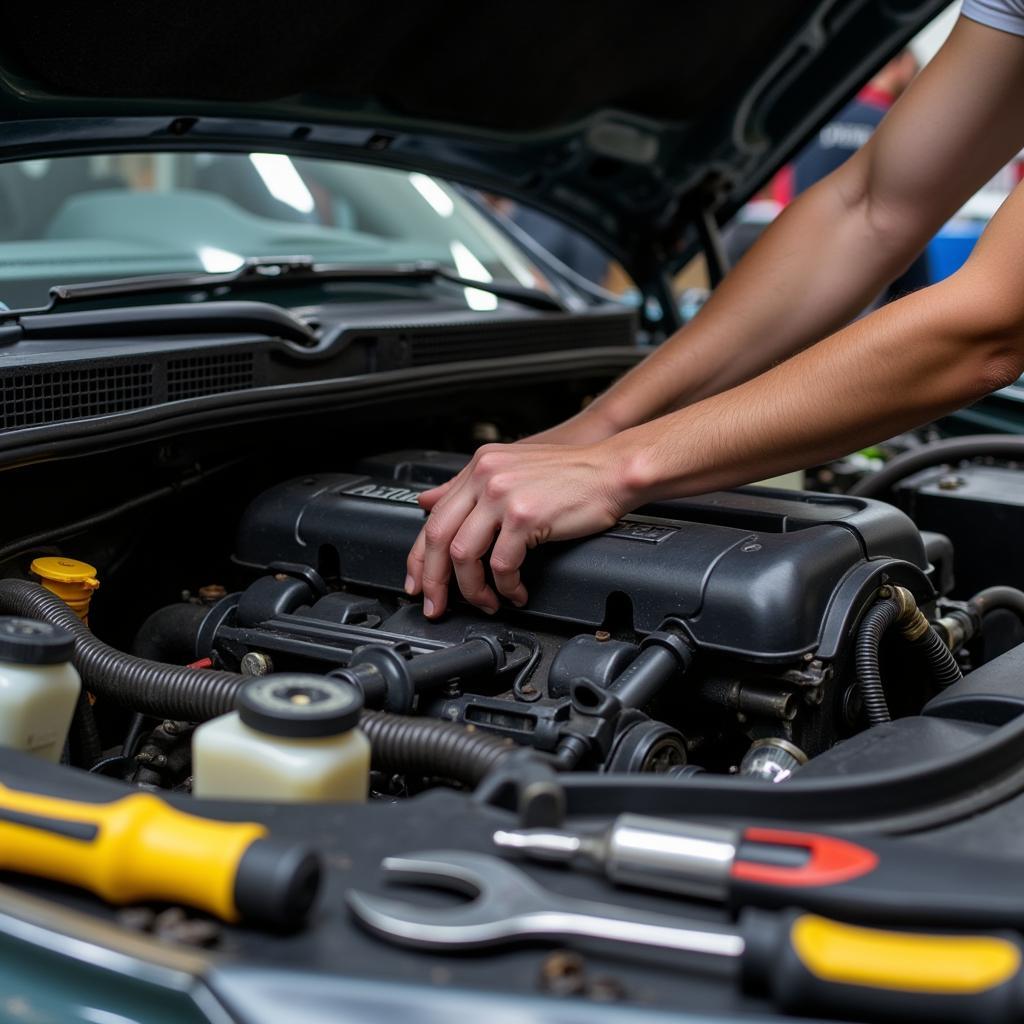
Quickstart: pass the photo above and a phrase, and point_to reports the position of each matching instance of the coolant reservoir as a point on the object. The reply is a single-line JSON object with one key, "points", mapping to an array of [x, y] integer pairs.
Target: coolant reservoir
{"points": [[39, 686], [293, 738]]}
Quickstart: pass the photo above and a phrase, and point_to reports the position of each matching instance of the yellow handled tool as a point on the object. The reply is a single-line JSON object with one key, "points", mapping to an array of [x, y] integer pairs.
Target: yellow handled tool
{"points": [[806, 963], [140, 848], [813, 964]]}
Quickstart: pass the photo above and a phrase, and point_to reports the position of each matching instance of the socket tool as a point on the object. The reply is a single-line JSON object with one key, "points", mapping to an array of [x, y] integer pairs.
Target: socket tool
{"points": [[803, 962], [877, 880], [139, 847]]}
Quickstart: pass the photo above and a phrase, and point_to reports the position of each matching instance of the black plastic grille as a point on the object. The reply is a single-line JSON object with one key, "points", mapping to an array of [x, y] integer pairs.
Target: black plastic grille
{"points": [[52, 396], [209, 375]]}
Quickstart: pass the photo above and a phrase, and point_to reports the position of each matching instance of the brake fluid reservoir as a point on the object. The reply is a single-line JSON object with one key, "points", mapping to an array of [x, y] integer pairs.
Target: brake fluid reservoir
{"points": [[293, 738], [39, 686]]}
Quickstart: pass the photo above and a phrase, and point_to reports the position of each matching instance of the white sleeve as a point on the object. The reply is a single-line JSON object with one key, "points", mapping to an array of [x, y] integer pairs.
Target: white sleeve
{"points": [[1005, 15]]}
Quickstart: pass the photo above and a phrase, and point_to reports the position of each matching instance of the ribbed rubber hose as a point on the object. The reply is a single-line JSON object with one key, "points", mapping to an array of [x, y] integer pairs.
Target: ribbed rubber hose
{"points": [[424, 746], [945, 670], [152, 687], [399, 744], [951, 449], [877, 619]]}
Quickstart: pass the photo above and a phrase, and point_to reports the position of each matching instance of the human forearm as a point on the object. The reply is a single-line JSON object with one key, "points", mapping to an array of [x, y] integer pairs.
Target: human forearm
{"points": [[795, 286], [834, 249], [908, 363]]}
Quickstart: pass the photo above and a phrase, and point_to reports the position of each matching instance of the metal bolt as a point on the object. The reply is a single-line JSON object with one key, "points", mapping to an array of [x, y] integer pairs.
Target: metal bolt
{"points": [[563, 973], [212, 593], [256, 663], [528, 690], [602, 635]]}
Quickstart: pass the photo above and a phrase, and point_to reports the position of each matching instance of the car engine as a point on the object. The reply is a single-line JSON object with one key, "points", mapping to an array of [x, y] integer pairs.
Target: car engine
{"points": [[716, 633]]}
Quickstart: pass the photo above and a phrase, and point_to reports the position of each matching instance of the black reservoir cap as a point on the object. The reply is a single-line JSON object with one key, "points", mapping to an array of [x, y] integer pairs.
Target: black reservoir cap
{"points": [[296, 705], [28, 642]]}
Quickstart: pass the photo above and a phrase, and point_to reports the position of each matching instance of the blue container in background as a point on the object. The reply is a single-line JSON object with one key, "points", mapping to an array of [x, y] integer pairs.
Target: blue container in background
{"points": [[949, 249]]}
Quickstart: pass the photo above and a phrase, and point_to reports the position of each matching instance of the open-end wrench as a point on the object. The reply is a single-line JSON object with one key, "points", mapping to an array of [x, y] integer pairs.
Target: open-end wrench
{"points": [[805, 962]]}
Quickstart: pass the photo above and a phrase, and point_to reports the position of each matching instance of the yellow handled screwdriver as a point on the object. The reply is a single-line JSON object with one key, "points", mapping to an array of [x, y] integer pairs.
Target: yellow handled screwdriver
{"points": [[140, 848]]}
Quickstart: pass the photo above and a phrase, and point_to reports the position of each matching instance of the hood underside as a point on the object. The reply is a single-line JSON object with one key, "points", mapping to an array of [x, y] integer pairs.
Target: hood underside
{"points": [[628, 121]]}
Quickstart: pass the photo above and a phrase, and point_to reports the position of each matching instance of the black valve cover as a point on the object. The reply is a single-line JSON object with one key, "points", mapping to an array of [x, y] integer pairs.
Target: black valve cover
{"points": [[754, 571]]}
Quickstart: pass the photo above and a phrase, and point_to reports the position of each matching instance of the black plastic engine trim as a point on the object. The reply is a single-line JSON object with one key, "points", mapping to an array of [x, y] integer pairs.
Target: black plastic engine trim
{"points": [[933, 793]]}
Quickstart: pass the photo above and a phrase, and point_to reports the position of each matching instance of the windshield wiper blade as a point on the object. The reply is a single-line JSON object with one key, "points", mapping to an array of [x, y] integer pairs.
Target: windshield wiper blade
{"points": [[263, 271], [182, 318]]}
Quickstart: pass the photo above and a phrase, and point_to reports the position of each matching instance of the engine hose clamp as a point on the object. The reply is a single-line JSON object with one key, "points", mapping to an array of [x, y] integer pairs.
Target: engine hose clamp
{"points": [[398, 685], [495, 642], [911, 621], [673, 642]]}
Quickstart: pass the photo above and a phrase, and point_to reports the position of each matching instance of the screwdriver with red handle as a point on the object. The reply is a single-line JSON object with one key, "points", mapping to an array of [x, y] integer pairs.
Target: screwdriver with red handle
{"points": [[881, 880]]}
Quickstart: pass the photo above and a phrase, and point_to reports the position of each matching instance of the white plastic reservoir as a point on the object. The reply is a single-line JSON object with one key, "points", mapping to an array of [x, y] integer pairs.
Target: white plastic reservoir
{"points": [[39, 686], [294, 738]]}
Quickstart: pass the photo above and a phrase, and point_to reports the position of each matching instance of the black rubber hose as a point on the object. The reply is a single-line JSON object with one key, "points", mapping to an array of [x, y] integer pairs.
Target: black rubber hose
{"points": [[877, 619], [152, 687], [424, 746], [398, 744], [948, 450], [991, 598], [169, 634], [945, 670]]}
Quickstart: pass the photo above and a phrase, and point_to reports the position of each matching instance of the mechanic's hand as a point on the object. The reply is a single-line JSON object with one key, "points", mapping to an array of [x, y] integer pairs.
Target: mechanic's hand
{"points": [[583, 428], [521, 494]]}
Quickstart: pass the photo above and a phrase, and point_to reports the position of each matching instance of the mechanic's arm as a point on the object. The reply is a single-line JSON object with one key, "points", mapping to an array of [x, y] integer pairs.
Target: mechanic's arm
{"points": [[905, 364], [909, 362], [842, 241]]}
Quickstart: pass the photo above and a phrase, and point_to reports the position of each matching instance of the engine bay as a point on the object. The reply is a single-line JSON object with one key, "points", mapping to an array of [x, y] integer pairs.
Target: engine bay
{"points": [[670, 643], [741, 633], [753, 655]]}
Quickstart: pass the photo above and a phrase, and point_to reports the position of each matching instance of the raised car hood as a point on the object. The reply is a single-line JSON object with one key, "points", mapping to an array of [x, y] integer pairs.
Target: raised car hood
{"points": [[629, 120]]}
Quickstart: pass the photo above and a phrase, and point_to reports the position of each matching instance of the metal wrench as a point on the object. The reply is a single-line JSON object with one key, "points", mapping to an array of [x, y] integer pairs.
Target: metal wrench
{"points": [[803, 961], [508, 905]]}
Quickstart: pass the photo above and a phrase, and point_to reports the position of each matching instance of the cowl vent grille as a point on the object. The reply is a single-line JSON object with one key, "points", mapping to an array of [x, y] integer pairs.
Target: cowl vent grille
{"points": [[53, 396], [209, 375]]}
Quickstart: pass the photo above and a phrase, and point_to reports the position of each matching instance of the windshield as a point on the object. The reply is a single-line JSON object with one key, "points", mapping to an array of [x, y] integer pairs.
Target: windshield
{"points": [[117, 215]]}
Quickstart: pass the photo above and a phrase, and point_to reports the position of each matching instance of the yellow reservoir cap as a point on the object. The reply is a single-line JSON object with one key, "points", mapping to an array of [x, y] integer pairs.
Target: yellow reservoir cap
{"points": [[71, 580]]}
